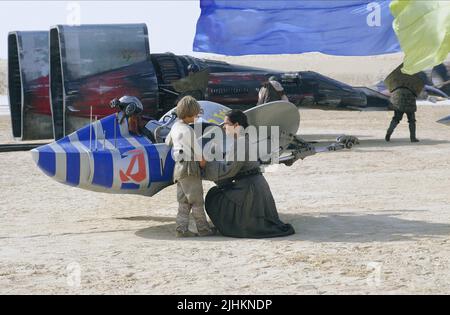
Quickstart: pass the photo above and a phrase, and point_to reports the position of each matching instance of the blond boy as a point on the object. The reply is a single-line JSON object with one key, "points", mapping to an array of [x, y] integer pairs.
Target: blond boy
{"points": [[188, 157]]}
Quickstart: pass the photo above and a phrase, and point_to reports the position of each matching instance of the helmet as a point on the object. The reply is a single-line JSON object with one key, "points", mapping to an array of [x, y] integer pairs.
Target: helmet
{"points": [[273, 78], [129, 104], [192, 68]]}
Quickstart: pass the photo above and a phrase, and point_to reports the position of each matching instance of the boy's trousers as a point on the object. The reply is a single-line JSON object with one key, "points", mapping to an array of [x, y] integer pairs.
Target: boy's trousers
{"points": [[190, 196]]}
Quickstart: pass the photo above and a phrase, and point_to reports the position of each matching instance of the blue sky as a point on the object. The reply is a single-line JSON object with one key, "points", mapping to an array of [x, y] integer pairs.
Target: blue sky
{"points": [[171, 24]]}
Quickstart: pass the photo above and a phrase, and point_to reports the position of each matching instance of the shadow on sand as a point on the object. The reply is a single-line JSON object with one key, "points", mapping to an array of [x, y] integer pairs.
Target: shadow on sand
{"points": [[328, 137], [356, 228], [149, 218], [330, 227], [397, 142], [321, 140]]}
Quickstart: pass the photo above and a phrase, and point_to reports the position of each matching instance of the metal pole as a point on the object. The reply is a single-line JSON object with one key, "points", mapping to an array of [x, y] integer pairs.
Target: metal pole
{"points": [[96, 134], [90, 130], [115, 130]]}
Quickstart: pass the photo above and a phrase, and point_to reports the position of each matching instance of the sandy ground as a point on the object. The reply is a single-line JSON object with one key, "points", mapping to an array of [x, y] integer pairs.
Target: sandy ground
{"points": [[369, 221], [3, 78], [372, 220]]}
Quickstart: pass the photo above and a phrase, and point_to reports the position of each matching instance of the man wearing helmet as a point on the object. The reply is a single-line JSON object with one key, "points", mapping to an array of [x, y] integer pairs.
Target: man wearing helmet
{"points": [[404, 90], [192, 68], [131, 108], [270, 91]]}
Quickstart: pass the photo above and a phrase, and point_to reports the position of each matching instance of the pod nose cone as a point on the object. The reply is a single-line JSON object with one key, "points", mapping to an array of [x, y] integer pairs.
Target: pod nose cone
{"points": [[445, 121], [45, 159], [35, 155]]}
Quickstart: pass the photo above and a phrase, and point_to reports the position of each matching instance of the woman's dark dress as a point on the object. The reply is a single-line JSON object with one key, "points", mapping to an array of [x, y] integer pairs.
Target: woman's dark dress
{"points": [[243, 207]]}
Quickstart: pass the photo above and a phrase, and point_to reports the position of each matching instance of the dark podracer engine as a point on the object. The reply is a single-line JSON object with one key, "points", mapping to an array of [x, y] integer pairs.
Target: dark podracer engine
{"points": [[61, 79], [92, 64], [28, 85]]}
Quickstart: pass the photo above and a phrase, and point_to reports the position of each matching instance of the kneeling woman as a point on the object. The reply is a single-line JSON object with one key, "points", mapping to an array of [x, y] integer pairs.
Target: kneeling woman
{"points": [[242, 205]]}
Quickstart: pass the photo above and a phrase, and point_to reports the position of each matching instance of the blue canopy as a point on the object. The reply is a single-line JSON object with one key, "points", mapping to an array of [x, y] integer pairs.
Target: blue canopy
{"points": [[348, 28]]}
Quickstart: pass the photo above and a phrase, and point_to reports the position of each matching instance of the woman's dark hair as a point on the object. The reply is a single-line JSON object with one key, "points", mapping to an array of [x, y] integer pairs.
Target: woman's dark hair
{"points": [[238, 116]]}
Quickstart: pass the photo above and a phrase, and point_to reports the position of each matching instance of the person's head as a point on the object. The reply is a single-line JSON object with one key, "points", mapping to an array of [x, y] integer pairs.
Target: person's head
{"points": [[269, 80], [131, 105], [188, 109], [192, 68], [234, 121]]}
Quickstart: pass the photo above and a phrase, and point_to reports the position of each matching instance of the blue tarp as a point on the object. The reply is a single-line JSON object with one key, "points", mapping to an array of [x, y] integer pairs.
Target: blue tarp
{"points": [[342, 27]]}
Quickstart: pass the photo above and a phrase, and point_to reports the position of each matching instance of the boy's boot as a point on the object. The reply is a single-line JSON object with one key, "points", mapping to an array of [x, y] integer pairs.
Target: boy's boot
{"points": [[203, 227], [185, 233], [183, 221]]}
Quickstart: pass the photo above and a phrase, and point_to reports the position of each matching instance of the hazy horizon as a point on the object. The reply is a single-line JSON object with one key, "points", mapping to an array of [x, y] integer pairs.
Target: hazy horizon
{"points": [[171, 24]]}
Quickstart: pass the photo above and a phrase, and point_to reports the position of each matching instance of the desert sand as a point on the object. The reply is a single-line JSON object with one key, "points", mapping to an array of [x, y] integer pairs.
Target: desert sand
{"points": [[3, 79], [372, 220]]}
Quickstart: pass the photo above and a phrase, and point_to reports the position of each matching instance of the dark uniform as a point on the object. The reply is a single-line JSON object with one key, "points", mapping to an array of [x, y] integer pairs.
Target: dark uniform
{"points": [[404, 90]]}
